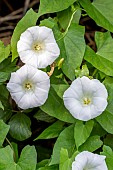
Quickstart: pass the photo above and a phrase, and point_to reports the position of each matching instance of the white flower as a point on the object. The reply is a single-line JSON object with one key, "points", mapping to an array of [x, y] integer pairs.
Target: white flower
{"points": [[89, 161], [37, 47], [29, 87], [85, 99]]}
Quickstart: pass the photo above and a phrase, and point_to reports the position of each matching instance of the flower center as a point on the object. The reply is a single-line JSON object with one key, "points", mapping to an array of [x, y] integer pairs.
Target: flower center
{"points": [[28, 86], [37, 47], [86, 101]]}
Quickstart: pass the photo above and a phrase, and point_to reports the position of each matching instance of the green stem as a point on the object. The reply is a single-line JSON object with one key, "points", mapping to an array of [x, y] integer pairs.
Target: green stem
{"points": [[64, 34]]}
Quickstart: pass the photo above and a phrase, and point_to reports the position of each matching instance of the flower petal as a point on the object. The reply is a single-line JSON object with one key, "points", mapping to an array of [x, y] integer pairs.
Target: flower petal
{"points": [[38, 35], [31, 97], [91, 96], [100, 103], [89, 161]]}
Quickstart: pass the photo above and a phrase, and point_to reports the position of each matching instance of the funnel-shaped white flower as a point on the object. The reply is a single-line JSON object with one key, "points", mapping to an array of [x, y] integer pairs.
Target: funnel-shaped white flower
{"points": [[85, 99], [37, 47], [89, 161], [29, 87]]}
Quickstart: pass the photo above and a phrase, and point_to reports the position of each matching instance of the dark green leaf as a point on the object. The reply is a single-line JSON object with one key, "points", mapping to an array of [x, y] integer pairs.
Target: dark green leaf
{"points": [[100, 11], [20, 126], [52, 131], [66, 141], [106, 121], [42, 116]]}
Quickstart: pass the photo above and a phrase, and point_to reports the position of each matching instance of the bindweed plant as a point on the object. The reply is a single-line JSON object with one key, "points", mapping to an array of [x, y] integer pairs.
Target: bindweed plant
{"points": [[56, 107]]}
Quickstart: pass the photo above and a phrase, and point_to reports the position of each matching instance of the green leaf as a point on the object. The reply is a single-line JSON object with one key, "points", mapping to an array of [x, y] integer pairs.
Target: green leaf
{"points": [[1, 105], [28, 158], [109, 85], [4, 51], [104, 43], [60, 89], [7, 66], [107, 151], [52, 131], [5, 114], [42, 116], [106, 65], [54, 107], [53, 6], [82, 132], [106, 121], [43, 163], [108, 140], [74, 47], [20, 126], [53, 167], [64, 160], [100, 11], [93, 143], [66, 141], [3, 77], [3, 131], [27, 21], [6, 159], [98, 130], [15, 150]]}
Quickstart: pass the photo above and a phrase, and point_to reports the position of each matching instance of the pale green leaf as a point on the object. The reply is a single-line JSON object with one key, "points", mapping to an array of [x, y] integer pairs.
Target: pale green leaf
{"points": [[48, 6], [28, 158], [3, 131], [4, 51], [64, 160], [107, 151], [106, 65], [74, 44], [93, 143], [6, 159], [82, 132], [60, 89]]}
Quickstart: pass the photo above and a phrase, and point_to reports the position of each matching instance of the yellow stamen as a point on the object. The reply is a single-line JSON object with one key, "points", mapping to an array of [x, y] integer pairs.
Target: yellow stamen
{"points": [[28, 86], [86, 101], [37, 47]]}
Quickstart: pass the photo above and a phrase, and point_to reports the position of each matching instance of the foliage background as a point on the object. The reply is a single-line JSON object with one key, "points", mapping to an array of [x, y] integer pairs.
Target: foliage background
{"points": [[40, 138]]}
